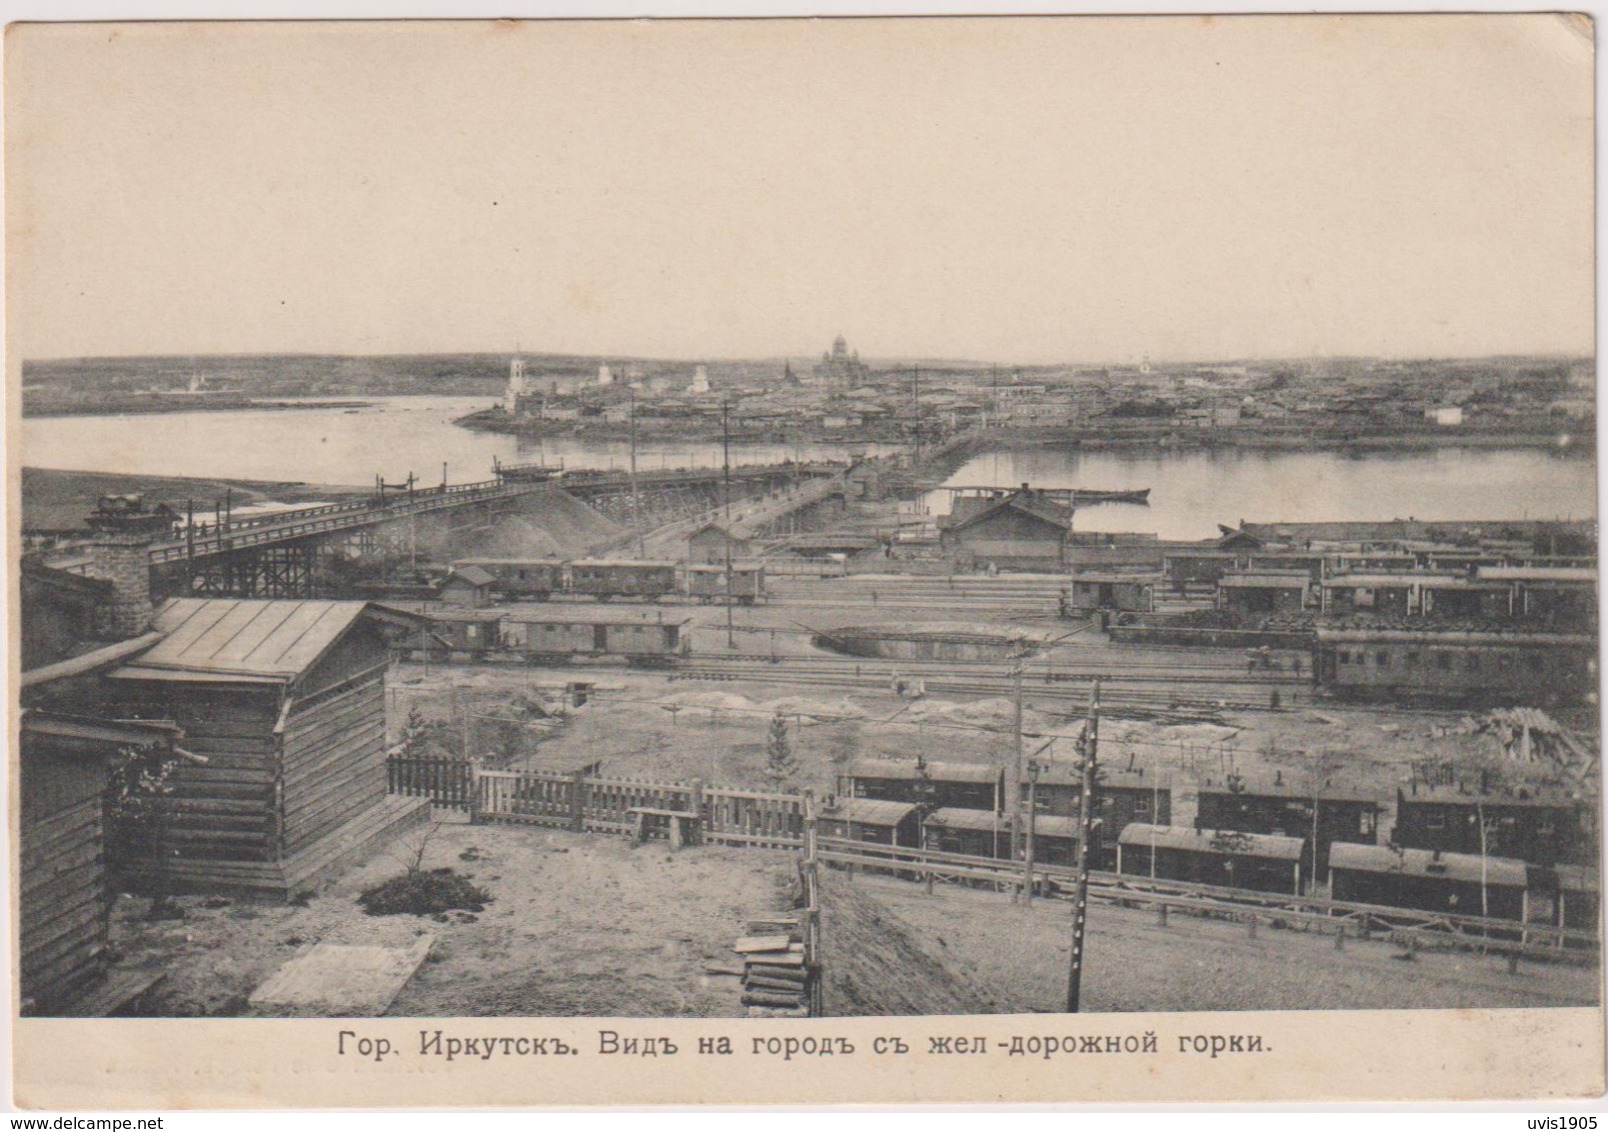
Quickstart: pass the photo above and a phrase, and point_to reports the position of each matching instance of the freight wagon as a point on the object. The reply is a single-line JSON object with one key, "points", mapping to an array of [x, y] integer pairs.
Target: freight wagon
{"points": [[535, 637], [709, 584], [521, 579], [609, 578], [540, 579]]}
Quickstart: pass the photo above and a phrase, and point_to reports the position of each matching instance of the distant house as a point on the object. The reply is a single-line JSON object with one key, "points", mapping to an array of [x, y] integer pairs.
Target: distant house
{"points": [[1263, 591], [714, 543], [467, 585], [1447, 416], [286, 700], [1022, 530]]}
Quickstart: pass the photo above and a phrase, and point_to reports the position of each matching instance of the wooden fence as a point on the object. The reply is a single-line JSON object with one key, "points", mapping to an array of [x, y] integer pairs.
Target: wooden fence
{"points": [[593, 804], [446, 782]]}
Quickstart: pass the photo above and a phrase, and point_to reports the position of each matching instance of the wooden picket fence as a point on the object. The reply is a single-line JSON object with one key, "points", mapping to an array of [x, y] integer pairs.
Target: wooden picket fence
{"points": [[595, 804], [446, 782]]}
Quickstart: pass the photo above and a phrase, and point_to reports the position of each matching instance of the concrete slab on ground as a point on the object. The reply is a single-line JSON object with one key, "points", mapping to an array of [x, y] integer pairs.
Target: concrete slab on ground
{"points": [[340, 980]]}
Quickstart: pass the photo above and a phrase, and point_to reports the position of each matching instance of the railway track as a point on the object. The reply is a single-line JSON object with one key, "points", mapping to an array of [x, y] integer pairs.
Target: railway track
{"points": [[1308, 913], [1156, 689]]}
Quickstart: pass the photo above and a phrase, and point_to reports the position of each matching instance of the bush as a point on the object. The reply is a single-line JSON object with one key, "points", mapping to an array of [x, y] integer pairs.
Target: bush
{"points": [[424, 894]]}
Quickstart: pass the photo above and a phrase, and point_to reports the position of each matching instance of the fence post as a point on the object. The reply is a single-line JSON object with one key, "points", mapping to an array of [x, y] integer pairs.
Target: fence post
{"points": [[476, 817], [697, 807], [577, 800]]}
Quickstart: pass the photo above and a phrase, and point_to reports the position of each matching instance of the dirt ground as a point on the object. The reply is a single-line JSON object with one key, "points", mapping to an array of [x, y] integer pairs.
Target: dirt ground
{"points": [[1018, 956], [662, 728], [578, 925]]}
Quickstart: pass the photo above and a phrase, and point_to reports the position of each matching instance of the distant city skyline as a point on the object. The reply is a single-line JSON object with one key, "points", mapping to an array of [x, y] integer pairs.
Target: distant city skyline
{"points": [[1061, 191]]}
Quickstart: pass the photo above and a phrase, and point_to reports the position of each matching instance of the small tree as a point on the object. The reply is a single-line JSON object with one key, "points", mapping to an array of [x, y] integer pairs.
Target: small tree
{"points": [[780, 765], [137, 810]]}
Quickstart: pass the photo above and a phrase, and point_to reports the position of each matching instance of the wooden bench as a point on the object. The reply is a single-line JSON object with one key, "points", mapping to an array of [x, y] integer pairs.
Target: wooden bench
{"points": [[685, 827]]}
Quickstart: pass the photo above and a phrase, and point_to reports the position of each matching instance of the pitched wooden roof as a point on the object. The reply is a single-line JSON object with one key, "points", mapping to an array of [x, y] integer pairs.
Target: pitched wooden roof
{"points": [[273, 640], [1465, 867], [867, 811], [1225, 842]]}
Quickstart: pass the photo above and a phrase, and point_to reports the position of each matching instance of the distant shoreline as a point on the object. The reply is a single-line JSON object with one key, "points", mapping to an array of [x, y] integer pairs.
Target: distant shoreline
{"points": [[145, 406], [1580, 443]]}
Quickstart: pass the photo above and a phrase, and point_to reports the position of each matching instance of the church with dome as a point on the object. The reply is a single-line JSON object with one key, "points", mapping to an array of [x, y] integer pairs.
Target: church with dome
{"points": [[841, 369]]}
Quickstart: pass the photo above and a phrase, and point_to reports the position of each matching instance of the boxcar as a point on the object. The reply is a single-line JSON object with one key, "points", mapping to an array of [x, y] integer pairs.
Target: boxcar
{"points": [[556, 640], [877, 822], [1257, 861], [1454, 883], [708, 583], [521, 579], [606, 579]]}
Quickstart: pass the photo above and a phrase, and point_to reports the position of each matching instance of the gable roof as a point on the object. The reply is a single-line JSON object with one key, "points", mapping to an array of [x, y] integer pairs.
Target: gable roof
{"points": [[1028, 502], [474, 575], [272, 641]]}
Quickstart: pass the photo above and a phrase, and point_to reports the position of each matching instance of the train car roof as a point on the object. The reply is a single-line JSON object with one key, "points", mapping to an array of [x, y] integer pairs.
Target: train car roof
{"points": [[903, 770], [1487, 637], [559, 616], [720, 568], [508, 562], [867, 811], [623, 562], [1227, 842], [1466, 867]]}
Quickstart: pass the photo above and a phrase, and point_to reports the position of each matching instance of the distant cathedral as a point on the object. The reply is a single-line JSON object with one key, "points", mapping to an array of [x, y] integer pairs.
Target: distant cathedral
{"points": [[840, 368]]}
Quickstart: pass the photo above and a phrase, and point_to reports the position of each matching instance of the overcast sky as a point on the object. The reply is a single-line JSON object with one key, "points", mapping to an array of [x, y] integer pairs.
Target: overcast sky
{"points": [[1027, 191]]}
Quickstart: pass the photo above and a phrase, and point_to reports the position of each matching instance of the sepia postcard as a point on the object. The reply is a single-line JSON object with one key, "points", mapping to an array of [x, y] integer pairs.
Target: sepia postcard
{"points": [[803, 561]]}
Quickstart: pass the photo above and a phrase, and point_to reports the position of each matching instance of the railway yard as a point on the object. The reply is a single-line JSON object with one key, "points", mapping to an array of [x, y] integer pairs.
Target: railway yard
{"points": [[721, 720]]}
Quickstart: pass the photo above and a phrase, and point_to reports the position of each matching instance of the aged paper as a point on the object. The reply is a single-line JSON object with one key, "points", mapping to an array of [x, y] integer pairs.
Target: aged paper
{"points": [[803, 561]]}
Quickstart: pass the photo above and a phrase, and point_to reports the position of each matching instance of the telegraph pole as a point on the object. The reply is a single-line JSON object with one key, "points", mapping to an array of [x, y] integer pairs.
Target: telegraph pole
{"points": [[1016, 764], [731, 639], [725, 463], [1090, 750], [636, 499], [915, 381]]}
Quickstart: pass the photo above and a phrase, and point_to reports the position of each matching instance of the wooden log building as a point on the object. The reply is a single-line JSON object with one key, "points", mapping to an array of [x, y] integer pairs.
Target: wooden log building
{"points": [[968, 786], [286, 701], [1289, 809], [1538, 828], [66, 897]]}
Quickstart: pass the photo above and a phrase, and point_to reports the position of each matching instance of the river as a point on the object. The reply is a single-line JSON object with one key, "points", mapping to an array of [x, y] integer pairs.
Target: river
{"points": [[1190, 492], [391, 437]]}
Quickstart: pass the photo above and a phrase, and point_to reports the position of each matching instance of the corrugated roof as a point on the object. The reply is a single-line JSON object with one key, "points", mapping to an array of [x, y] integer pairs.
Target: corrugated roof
{"points": [[938, 772], [1500, 871], [1226, 842], [867, 811], [275, 639]]}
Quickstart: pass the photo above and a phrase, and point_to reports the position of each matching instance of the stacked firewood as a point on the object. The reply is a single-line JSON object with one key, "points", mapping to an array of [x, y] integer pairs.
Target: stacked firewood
{"points": [[776, 972]]}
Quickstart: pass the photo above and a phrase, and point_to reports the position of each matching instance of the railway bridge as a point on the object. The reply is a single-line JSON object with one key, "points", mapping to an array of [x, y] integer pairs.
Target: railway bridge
{"points": [[307, 551]]}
